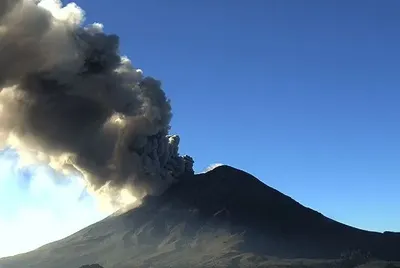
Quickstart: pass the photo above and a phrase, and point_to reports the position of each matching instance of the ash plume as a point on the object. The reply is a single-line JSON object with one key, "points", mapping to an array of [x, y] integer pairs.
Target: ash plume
{"points": [[68, 99]]}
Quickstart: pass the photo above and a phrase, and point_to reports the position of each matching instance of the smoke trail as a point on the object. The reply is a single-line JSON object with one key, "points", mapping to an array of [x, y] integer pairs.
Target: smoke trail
{"points": [[70, 100]]}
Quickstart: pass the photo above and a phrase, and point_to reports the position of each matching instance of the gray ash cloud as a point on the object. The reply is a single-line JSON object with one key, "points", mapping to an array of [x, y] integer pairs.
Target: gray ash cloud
{"points": [[70, 100]]}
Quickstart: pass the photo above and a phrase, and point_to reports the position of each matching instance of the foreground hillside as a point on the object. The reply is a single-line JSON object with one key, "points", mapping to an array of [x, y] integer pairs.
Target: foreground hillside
{"points": [[223, 218]]}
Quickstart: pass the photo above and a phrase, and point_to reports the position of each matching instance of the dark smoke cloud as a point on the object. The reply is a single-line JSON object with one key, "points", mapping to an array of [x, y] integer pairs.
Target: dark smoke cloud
{"points": [[70, 100]]}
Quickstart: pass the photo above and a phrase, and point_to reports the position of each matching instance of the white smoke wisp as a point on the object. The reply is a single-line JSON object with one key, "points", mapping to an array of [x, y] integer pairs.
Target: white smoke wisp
{"points": [[70, 100], [211, 167]]}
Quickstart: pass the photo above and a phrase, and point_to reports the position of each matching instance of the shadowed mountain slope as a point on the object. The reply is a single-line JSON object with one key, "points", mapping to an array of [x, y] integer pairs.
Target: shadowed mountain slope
{"points": [[222, 218]]}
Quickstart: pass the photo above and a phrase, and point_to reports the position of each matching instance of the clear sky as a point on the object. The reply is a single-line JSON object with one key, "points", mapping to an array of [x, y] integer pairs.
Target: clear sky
{"points": [[302, 94]]}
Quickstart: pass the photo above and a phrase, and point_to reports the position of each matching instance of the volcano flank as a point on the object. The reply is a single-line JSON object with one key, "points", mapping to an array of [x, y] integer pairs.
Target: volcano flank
{"points": [[222, 218]]}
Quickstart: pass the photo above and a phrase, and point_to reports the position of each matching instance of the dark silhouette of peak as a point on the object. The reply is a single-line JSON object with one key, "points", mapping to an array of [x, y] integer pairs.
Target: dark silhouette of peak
{"points": [[222, 218], [231, 195]]}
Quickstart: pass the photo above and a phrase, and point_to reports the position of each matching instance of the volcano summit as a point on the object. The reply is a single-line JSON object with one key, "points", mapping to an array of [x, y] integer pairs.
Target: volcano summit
{"points": [[222, 218]]}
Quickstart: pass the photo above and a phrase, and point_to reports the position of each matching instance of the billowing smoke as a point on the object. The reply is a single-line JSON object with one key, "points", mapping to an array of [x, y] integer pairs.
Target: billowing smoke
{"points": [[68, 99]]}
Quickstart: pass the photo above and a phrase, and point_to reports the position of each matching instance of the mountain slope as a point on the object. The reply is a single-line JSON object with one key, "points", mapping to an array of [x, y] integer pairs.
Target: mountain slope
{"points": [[223, 218]]}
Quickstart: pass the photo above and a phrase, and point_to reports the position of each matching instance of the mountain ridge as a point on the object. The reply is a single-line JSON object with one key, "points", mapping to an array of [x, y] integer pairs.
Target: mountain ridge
{"points": [[223, 216]]}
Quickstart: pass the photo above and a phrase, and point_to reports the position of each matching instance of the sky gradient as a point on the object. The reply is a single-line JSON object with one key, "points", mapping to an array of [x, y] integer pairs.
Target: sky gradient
{"points": [[302, 94]]}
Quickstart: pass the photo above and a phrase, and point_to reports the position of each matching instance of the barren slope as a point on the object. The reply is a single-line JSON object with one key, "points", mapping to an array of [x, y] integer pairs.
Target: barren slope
{"points": [[223, 218]]}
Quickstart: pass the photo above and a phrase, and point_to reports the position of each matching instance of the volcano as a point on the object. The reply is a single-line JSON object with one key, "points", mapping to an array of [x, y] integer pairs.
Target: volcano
{"points": [[222, 218]]}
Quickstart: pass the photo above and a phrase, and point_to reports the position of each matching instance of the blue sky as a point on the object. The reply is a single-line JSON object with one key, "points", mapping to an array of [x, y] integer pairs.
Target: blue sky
{"points": [[302, 94]]}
